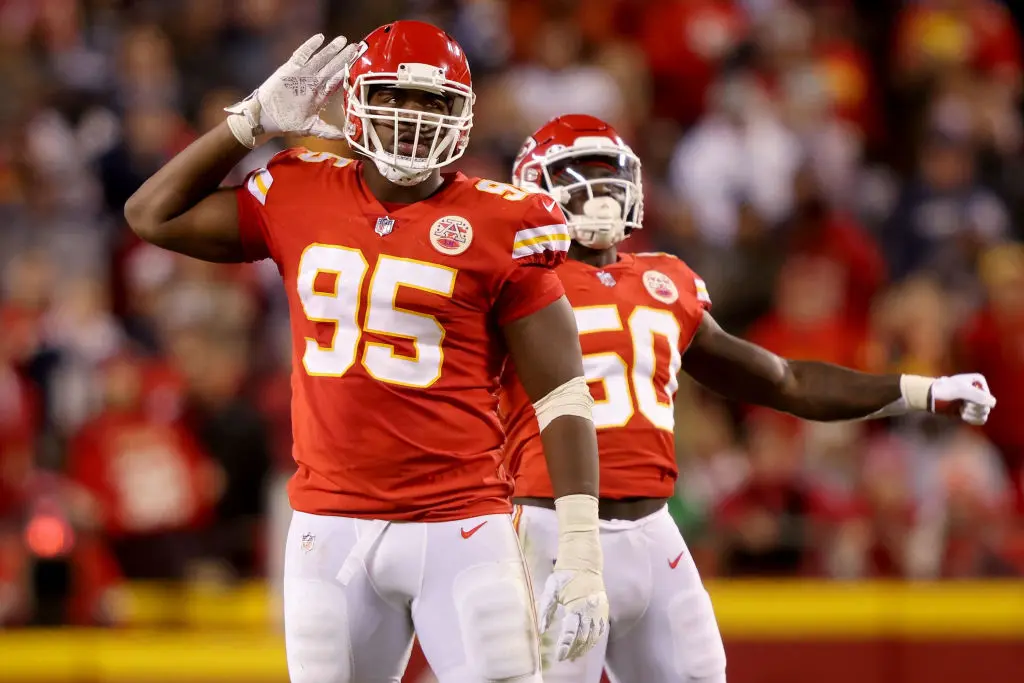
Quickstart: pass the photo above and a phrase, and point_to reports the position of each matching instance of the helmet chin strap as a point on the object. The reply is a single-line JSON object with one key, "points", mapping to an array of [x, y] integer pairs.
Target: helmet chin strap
{"points": [[399, 176]]}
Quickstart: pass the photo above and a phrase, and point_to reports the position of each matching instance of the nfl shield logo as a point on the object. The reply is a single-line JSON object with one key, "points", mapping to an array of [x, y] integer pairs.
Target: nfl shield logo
{"points": [[307, 542], [384, 226], [606, 278]]}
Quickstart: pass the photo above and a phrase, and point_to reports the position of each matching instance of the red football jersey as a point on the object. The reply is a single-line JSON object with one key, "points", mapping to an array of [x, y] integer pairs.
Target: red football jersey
{"points": [[635, 317], [147, 476], [395, 317]]}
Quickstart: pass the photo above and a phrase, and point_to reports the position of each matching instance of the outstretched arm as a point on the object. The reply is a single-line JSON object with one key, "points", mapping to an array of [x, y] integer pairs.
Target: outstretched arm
{"points": [[739, 370]]}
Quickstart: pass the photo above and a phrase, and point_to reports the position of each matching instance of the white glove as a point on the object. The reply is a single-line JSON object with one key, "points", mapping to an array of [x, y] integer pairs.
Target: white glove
{"points": [[576, 584], [291, 99], [966, 394]]}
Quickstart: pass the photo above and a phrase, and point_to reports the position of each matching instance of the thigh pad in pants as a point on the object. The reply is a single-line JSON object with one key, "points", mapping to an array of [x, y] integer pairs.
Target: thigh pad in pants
{"points": [[495, 614]]}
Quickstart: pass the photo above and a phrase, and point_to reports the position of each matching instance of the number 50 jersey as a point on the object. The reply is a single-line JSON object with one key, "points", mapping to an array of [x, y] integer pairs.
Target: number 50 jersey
{"points": [[395, 317], [635, 318]]}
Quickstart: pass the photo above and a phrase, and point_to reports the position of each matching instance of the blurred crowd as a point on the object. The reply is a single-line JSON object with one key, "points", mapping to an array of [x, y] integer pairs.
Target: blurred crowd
{"points": [[844, 175]]}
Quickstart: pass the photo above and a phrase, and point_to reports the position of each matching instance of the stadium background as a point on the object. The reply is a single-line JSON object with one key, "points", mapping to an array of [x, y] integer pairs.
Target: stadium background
{"points": [[844, 175]]}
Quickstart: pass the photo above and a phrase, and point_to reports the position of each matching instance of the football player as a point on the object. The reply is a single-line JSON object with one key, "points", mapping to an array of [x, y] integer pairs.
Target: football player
{"points": [[642, 318], [408, 288]]}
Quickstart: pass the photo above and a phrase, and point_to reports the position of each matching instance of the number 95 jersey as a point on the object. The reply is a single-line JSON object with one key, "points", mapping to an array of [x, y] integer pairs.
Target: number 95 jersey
{"points": [[635, 318], [396, 316]]}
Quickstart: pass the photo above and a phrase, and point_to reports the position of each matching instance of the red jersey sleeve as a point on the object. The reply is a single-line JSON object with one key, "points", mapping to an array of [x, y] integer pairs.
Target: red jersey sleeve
{"points": [[539, 245], [257, 204], [526, 291], [693, 292], [694, 298]]}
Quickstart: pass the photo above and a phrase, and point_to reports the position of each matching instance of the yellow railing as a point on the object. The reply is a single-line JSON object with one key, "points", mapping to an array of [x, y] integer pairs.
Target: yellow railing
{"points": [[745, 608], [213, 635]]}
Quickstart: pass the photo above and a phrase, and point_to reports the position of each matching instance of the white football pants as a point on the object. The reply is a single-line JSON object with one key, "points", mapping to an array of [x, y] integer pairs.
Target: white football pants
{"points": [[356, 590], [663, 629]]}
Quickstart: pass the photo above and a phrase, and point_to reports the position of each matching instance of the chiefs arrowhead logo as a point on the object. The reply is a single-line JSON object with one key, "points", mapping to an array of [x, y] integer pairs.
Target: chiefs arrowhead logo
{"points": [[451, 235]]}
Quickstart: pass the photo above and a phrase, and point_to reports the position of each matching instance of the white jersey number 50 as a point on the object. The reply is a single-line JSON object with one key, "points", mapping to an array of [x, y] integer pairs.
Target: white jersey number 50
{"points": [[341, 308], [628, 390]]}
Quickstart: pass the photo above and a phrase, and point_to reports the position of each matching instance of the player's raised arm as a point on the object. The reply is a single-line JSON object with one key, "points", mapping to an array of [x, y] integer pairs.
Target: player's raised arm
{"points": [[820, 391], [182, 208]]}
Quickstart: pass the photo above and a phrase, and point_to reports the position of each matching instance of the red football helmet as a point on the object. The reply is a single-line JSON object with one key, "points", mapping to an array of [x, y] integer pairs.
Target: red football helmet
{"points": [[409, 54], [583, 163]]}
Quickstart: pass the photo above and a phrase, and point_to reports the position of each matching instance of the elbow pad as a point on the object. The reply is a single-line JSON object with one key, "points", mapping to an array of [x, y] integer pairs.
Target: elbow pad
{"points": [[571, 398]]}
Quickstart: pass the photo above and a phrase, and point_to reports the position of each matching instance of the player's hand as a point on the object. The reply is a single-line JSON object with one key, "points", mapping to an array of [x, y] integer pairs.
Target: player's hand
{"points": [[584, 605], [291, 99], [966, 395], [576, 585]]}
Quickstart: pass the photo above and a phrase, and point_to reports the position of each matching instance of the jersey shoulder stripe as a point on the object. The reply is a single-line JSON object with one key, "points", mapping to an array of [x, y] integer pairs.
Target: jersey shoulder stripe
{"points": [[289, 162], [536, 240], [259, 184], [702, 290]]}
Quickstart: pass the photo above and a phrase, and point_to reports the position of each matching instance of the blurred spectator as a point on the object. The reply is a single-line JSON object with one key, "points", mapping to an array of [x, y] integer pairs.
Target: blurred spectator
{"points": [[912, 329], [888, 507], [818, 229], [235, 435], [148, 486], [151, 135], [791, 69], [147, 77], [992, 343], [686, 41], [739, 154], [768, 524], [844, 176], [809, 319], [559, 80], [845, 68], [976, 504], [945, 215], [934, 35], [713, 465], [84, 333]]}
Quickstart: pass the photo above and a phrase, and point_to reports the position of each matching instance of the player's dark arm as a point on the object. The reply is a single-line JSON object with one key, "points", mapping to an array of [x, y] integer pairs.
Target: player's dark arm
{"points": [[546, 351], [739, 370], [182, 208]]}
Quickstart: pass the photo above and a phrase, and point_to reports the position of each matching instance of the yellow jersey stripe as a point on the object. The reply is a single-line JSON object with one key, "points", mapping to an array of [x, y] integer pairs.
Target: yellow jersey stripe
{"points": [[260, 184], [540, 240]]}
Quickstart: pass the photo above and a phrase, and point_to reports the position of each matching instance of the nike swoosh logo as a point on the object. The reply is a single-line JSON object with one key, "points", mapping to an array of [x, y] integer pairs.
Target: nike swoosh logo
{"points": [[467, 534], [673, 563], [550, 207]]}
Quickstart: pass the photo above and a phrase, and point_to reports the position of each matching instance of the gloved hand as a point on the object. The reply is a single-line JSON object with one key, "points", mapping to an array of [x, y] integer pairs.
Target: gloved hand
{"points": [[966, 395], [291, 99], [576, 584]]}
